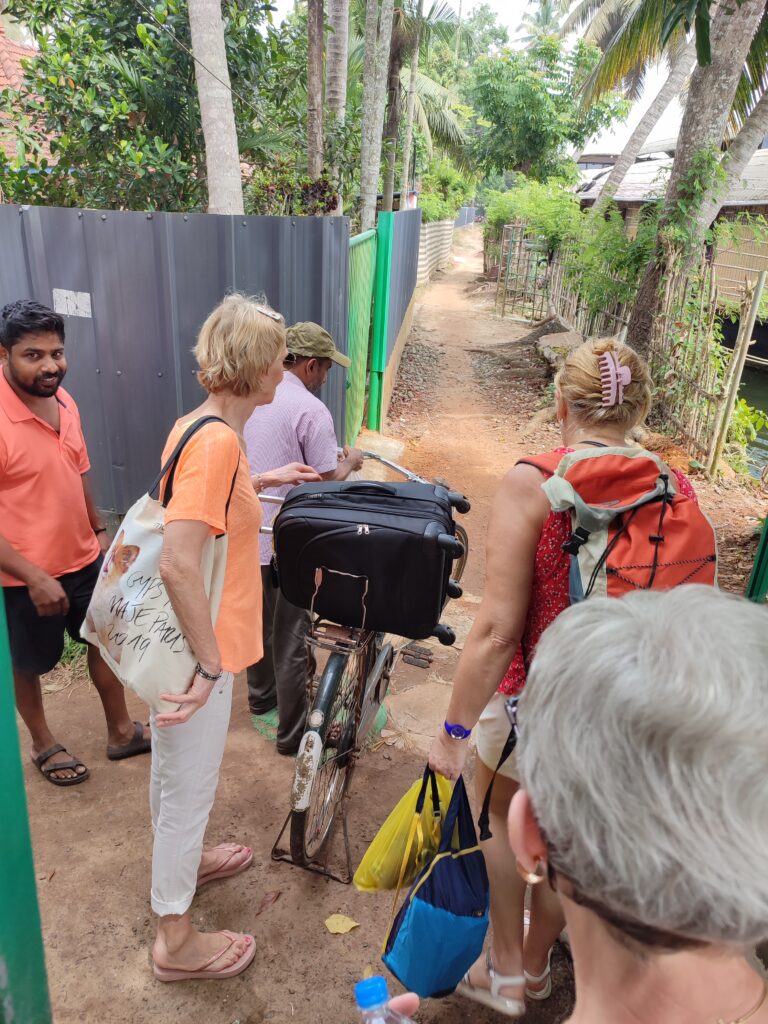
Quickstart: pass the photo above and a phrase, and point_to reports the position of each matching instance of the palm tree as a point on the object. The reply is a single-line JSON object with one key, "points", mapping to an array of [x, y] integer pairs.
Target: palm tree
{"points": [[411, 104], [718, 101], [545, 21], [630, 33], [336, 76], [378, 38], [410, 29], [315, 26], [222, 156]]}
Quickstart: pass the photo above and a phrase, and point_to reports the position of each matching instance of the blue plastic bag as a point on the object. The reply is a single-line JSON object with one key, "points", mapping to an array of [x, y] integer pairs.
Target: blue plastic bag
{"points": [[440, 929]]}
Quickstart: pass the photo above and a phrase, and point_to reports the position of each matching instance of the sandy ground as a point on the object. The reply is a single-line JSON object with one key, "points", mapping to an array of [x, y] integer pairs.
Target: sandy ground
{"points": [[464, 415]]}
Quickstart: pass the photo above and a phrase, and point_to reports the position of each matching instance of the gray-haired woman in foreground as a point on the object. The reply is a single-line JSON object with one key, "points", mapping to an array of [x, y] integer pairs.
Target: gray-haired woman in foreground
{"points": [[644, 798]]}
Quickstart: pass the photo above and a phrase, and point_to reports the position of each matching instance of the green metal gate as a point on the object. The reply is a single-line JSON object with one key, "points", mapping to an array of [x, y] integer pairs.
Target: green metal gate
{"points": [[362, 270], [757, 589], [23, 983]]}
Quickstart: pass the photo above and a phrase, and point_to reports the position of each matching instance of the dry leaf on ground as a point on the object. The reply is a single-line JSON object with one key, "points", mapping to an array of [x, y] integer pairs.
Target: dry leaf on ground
{"points": [[267, 900], [340, 924]]}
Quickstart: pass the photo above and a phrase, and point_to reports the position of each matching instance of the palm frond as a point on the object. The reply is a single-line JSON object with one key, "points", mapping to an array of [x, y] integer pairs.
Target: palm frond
{"points": [[754, 80], [581, 15], [611, 15], [428, 88], [420, 116], [637, 40]]}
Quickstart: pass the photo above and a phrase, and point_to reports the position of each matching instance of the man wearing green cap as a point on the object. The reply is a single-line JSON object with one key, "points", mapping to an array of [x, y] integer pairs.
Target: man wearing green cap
{"points": [[298, 426]]}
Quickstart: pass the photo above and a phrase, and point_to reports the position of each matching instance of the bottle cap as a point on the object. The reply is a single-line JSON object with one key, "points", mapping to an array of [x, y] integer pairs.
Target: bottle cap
{"points": [[371, 992]]}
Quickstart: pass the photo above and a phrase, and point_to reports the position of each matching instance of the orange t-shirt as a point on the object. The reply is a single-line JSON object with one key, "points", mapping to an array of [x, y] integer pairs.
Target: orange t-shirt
{"points": [[200, 490], [43, 514]]}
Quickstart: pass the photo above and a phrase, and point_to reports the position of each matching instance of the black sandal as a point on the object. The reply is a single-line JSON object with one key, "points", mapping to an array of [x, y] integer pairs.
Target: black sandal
{"points": [[140, 744], [47, 772]]}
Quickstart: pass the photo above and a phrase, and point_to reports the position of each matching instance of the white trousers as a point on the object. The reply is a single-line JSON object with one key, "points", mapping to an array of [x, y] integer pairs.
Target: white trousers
{"points": [[184, 776]]}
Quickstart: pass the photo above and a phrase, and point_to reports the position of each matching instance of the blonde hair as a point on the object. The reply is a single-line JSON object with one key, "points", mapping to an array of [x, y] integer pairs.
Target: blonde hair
{"points": [[578, 383], [237, 344]]}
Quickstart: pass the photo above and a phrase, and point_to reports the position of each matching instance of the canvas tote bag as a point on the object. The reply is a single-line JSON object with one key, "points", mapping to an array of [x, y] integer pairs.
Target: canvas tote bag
{"points": [[130, 618]]}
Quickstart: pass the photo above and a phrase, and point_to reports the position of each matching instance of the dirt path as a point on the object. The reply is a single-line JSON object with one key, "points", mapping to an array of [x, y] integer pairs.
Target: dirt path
{"points": [[468, 418]]}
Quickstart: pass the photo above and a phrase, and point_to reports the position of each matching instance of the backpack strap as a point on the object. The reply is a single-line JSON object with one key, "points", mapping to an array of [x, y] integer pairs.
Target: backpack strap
{"points": [[546, 463]]}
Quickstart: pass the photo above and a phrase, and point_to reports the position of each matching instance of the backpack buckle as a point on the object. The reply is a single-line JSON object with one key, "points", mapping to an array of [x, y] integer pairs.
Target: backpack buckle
{"points": [[578, 537]]}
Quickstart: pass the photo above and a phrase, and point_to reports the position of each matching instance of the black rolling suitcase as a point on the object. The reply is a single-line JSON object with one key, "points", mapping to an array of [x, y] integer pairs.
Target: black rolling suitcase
{"points": [[370, 555]]}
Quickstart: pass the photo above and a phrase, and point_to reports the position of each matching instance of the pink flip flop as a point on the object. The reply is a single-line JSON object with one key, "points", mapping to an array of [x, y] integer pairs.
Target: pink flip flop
{"points": [[226, 872], [208, 971]]}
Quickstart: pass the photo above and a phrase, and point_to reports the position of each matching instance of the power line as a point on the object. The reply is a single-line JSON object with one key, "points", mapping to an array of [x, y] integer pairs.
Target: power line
{"points": [[197, 60]]}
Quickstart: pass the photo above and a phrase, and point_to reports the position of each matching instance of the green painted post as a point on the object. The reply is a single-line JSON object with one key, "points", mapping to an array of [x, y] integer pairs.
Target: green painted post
{"points": [[383, 280], [23, 982], [757, 588]]}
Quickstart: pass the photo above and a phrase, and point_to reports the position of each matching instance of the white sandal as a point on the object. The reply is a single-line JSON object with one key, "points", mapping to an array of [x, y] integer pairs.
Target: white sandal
{"points": [[503, 1004], [546, 975]]}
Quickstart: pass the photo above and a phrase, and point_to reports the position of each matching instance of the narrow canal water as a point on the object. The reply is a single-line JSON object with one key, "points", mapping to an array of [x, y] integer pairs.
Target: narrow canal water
{"points": [[754, 389]]}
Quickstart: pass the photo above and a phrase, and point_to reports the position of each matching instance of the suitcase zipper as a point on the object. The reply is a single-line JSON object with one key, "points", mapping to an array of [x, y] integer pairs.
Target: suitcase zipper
{"points": [[363, 529]]}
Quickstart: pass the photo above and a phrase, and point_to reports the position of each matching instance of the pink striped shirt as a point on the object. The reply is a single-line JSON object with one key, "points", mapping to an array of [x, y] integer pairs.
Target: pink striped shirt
{"points": [[295, 427]]}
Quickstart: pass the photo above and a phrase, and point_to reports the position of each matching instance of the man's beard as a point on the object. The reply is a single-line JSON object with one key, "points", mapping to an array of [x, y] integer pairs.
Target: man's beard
{"points": [[43, 386]]}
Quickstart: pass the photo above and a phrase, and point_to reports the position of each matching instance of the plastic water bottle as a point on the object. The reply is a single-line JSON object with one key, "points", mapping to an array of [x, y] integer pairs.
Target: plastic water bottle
{"points": [[372, 999]]}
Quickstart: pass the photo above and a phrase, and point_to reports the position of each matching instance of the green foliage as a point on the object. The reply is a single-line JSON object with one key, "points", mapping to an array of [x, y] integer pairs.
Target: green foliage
{"points": [[604, 264], [704, 178], [277, 190], [481, 32], [444, 191], [691, 14], [74, 653], [433, 207], [108, 114], [746, 423], [490, 184], [528, 108], [549, 210]]}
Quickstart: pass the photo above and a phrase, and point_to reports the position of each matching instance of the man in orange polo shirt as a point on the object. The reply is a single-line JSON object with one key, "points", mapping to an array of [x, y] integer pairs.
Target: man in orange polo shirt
{"points": [[51, 537]]}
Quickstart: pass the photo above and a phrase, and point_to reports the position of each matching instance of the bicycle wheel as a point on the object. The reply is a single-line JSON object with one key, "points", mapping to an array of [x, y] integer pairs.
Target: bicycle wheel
{"points": [[461, 563], [326, 757]]}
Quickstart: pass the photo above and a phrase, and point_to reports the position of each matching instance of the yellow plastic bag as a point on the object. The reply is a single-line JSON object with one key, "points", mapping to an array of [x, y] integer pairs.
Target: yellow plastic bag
{"points": [[415, 821]]}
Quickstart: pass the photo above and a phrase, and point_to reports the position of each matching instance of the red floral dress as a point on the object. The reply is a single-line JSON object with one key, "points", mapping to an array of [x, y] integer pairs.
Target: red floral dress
{"points": [[549, 594]]}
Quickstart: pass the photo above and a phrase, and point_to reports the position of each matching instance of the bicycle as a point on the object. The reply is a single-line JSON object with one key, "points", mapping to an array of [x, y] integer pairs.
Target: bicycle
{"points": [[343, 707]]}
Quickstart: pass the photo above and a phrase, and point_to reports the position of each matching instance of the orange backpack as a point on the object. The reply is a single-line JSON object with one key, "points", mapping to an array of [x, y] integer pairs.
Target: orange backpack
{"points": [[632, 529]]}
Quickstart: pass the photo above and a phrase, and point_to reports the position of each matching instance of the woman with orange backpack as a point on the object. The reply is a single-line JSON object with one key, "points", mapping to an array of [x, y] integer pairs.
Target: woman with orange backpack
{"points": [[595, 516]]}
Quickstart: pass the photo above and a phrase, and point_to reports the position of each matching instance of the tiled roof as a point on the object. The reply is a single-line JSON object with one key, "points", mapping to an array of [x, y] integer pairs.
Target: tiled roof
{"points": [[11, 74], [11, 56], [646, 179]]}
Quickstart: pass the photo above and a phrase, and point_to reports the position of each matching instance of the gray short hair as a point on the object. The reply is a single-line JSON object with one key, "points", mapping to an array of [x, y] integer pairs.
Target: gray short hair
{"points": [[644, 750]]}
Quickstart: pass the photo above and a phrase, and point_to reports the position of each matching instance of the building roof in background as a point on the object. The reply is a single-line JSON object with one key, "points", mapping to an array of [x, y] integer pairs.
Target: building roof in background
{"points": [[646, 180], [11, 74], [11, 56]]}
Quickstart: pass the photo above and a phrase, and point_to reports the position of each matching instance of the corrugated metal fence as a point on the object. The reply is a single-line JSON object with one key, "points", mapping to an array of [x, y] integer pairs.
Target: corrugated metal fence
{"points": [[135, 288], [405, 261], [465, 217]]}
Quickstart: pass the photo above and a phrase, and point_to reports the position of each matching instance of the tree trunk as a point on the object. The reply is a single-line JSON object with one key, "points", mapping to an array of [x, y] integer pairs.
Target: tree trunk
{"points": [[337, 56], [671, 89], [315, 88], [392, 124], [710, 98], [740, 152], [378, 39], [217, 115], [410, 108]]}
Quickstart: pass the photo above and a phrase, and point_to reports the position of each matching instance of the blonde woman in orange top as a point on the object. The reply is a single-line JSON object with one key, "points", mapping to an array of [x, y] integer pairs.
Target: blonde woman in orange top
{"points": [[240, 352]]}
